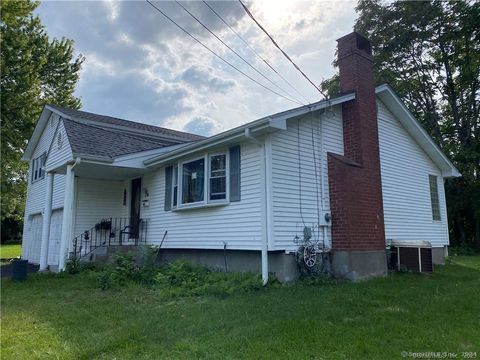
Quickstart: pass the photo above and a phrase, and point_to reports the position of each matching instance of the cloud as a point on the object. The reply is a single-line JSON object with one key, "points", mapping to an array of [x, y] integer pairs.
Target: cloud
{"points": [[141, 67], [203, 78], [203, 125]]}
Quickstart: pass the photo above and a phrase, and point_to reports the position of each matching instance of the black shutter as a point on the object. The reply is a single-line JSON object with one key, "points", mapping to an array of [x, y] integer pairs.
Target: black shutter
{"points": [[235, 173], [168, 188], [33, 170]]}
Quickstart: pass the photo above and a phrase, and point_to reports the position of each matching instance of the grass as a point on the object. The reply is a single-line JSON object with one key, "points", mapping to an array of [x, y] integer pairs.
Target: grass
{"points": [[68, 317], [10, 251]]}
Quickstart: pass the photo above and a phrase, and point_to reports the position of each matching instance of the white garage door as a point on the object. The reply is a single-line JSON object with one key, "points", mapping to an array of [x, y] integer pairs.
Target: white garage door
{"points": [[35, 238], [55, 236]]}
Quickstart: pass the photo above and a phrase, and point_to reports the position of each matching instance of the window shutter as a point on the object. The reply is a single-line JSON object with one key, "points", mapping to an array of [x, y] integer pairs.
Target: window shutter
{"points": [[168, 188], [33, 170], [235, 173]]}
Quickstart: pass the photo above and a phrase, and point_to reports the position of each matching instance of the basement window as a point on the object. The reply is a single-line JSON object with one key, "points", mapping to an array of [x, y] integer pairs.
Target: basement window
{"points": [[434, 197], [38, 163]]}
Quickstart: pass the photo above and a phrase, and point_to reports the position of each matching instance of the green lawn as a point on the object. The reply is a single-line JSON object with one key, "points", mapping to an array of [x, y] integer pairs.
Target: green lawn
{"points": [[68, 317], [10, 251]]}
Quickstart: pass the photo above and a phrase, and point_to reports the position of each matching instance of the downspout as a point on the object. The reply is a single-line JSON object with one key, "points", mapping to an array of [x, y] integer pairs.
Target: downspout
{"points": [[78, 160], [263, 176], [322, 175]]}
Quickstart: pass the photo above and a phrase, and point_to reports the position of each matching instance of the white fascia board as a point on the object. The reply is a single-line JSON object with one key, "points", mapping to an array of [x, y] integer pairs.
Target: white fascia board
{"points": [[388, 96], [97, 159], [37, 133], [137, 159], [274, 122]]}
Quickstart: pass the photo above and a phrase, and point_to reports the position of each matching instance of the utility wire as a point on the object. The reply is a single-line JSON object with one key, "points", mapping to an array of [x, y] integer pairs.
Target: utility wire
{"points": [[255, 52], [215, 54], [235, 52], [279, 48]]}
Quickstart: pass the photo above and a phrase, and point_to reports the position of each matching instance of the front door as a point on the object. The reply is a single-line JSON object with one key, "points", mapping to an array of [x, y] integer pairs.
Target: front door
{"points": [[135, 208]]}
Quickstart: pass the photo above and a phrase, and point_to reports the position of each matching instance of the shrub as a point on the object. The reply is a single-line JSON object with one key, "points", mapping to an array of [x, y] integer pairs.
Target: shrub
{"points": [[184, 279], [75, 266], [177, 279]]}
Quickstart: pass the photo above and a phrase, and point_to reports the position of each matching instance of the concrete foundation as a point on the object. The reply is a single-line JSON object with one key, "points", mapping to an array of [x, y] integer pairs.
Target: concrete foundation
{"points": [[359, 265], [438, 255], [284, 266]]}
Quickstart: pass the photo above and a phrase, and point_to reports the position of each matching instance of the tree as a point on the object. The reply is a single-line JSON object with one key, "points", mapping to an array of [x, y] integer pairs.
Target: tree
{"points": [[34, 71], [430, 53]]}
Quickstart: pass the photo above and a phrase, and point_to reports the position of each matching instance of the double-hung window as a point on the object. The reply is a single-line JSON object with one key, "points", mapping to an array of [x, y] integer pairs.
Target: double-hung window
{"points": [[37, 167], [434, 198], [210, 179], [218, 177], [175, 186], [193, 181]]}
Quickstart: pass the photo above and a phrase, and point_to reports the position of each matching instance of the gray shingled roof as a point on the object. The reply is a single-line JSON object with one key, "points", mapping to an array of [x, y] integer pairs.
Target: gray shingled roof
{"points": [[108, 120], [99, 135]]}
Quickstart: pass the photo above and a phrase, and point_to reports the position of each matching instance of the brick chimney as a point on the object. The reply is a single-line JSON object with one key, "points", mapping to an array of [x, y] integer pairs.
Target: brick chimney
{"points": [[358, 234]]}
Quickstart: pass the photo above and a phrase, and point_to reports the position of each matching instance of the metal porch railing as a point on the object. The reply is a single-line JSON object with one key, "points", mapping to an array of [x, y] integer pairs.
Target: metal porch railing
{"points": [[110, 232]]}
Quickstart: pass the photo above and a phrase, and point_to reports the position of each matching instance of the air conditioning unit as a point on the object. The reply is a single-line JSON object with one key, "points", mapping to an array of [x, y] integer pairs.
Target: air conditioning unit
{"points": [[411, 255]]}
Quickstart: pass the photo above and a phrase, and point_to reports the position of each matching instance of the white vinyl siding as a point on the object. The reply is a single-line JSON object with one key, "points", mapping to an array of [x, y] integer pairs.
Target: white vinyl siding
{"points": [[59, 155], [36, 191], [97, 200], [406, 186], [287, 220], [237, 223]]}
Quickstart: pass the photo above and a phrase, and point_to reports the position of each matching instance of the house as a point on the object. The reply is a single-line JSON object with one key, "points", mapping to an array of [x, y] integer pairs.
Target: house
{"points": [[342, 176]]}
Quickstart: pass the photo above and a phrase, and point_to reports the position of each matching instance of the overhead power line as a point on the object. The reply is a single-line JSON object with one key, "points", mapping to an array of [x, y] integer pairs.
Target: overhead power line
{"points": [[235, 52], [254, 51], [215, 54], [279, 48]]}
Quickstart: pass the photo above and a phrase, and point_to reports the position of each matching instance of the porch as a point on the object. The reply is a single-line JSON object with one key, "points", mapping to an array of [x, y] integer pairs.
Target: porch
{"points": [[102, 208]]}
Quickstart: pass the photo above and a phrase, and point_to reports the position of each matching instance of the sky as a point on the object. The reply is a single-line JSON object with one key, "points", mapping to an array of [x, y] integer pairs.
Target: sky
{"points": [[141, 67]]}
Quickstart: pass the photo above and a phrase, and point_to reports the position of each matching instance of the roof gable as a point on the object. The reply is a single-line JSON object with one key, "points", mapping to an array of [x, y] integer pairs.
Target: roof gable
{"points": [[59, 150], [109, 122], [119, 136], [393, 102], [91, 140]]}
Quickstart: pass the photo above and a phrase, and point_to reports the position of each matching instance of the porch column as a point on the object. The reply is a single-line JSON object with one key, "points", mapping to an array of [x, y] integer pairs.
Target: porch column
{"points": [[67, 219], [47, 214]]}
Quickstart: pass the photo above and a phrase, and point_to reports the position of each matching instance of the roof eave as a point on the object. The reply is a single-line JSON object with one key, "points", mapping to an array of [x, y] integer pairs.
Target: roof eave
{"points": [[37, 133], [269, 123]]}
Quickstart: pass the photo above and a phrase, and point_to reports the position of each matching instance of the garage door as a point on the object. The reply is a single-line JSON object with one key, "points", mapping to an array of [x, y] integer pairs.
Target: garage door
{"points": [[55, 236], [35, 238]]}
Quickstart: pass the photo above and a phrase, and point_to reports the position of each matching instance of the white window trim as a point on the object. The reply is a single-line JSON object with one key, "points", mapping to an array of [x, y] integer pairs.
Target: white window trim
{"points": [[206, 202], [227, 176], [440, 220], [41, 167], [180, 203]]}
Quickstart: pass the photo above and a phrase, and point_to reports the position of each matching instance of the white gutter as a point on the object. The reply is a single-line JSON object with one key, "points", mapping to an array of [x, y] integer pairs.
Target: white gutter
{"points": [[273, 122], [264, 215]]}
